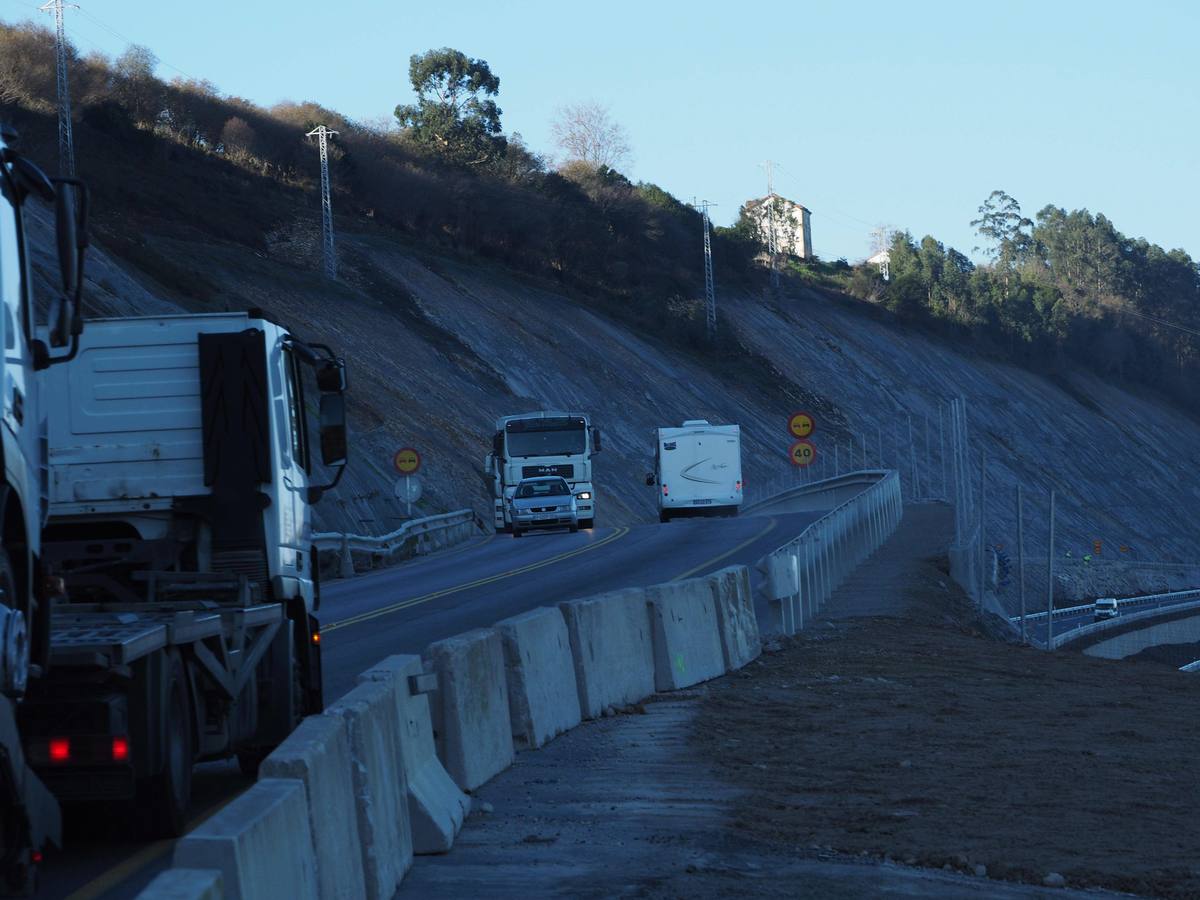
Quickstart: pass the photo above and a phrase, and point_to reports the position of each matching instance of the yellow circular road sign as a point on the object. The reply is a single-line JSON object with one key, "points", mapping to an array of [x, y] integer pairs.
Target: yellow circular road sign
{"points": [[802, 453], [801, 424], [407, 461]]}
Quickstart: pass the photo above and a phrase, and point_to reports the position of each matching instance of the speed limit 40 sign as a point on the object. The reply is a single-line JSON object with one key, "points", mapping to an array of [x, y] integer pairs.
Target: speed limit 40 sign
{"points": [[802, 453]]}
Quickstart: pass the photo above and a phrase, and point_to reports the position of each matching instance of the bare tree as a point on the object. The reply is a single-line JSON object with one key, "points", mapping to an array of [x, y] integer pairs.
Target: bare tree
{"points": [[586, 132]]}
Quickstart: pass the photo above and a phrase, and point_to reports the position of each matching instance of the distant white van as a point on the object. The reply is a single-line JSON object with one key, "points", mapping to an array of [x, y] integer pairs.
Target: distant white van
{"points": [[1105, 608], [698, 470]]}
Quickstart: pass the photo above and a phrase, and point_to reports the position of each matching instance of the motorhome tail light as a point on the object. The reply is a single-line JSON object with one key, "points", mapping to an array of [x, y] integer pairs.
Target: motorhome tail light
{"points": [[665, 491], [739, 485], [60, 750], [120, 749]]}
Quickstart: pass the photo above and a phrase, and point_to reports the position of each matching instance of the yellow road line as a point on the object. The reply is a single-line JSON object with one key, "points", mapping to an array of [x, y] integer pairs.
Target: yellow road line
{"points": [[415, 601], [716, 559], [131, 865]]}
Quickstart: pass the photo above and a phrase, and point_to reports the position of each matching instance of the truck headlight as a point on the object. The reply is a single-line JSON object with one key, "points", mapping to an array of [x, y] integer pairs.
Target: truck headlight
{"points": [[584, 495]]}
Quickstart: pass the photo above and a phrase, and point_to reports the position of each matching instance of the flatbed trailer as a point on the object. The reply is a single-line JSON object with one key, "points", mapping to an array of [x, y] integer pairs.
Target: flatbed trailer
{"points": [[139, 692]]}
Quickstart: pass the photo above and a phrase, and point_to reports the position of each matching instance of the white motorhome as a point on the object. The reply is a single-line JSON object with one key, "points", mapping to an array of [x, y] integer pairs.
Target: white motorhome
{"points": [[698, 470], [537, 444]]}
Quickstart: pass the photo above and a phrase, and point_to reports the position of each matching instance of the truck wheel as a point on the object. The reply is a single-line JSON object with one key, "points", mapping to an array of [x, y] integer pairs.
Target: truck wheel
{"points": [[587, 523], [517, 532], [168, 795], [664, 517]]}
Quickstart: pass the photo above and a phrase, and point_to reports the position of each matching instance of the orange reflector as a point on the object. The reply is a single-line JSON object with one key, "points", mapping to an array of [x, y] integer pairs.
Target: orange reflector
{"points": [[316, 637], [120, 749], [60, 750]]}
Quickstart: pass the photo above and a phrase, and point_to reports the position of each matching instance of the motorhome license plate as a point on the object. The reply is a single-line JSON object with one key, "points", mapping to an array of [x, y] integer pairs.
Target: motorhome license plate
{"points": [[698, 502]]}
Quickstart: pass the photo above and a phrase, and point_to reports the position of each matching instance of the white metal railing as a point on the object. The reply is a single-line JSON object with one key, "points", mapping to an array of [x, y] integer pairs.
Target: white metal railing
{"points": [[802, 575], [436, 531], [1191, 667], [1168, 598], [1174, 601]]}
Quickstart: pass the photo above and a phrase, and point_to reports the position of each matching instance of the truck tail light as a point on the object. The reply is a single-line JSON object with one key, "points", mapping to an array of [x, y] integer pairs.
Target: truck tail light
{"points": [[120, 749], [60, 750]]}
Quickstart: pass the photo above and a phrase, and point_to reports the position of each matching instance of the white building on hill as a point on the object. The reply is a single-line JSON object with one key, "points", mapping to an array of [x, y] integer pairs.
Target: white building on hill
{"points": [[793, 230]]}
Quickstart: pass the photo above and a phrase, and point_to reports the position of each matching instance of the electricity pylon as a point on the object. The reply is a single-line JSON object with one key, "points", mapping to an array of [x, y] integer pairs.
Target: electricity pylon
{"points": [[66, 140], [322, 135]]}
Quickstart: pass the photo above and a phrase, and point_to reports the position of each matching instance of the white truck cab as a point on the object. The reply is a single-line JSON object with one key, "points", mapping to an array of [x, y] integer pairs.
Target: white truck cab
{"points": [[1105, 608], [537, 444], [698, 470], [188, 435]]}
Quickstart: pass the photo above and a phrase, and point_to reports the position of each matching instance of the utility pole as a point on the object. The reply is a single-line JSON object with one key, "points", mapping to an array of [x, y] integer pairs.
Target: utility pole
{"points": [[322, 134], [66, 140], [772, 239], [710, 291]]}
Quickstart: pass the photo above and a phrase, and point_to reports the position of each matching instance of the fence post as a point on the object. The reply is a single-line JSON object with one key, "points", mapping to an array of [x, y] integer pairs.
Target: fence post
{"points": [[982, 525], [1050, 581], [1021, 556]]}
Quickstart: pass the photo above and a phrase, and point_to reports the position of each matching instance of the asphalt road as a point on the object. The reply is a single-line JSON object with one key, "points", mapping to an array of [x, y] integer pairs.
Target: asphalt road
{"points": [[403, 609]]}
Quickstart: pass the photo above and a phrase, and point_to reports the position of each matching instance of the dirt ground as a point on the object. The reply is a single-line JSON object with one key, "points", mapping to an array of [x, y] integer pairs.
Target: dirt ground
{"points": [[924, 740]]}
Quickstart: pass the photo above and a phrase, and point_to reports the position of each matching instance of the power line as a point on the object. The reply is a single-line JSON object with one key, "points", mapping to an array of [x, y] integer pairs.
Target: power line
{"points": [[322, 134], [1162, 322]]}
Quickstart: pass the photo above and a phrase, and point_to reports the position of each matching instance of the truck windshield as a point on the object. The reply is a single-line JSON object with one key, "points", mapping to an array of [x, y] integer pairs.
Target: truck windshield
{"points": [[546, 437], [556, 488]]}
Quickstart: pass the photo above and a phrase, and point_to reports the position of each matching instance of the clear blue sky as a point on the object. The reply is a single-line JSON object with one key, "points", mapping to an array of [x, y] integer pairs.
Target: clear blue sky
{"points": [[895, 113]]}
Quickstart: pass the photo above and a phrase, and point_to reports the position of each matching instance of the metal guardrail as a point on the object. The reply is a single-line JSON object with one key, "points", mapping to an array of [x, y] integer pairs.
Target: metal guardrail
{"points": [[1143, 600], [802, 575], [436, 531], [1191, 667], [1179, 600]]}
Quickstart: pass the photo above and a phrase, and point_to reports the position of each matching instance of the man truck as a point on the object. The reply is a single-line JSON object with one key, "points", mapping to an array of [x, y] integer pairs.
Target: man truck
{"points": [[532, 445], [156, 565], [698, 469]]}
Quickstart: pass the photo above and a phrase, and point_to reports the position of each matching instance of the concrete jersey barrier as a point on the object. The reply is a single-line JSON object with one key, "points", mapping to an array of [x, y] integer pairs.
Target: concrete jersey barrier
{"points": [[543, 700], [612, 649], [470, 708], [260, 843], [436, 807], [368, 713], [737, 623], [317, 754], [687, 643], [184, 884]]}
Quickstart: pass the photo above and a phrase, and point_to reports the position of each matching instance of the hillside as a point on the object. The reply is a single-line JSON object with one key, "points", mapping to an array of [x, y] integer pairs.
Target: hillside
{"points": [[465, 298], [438, 347]]}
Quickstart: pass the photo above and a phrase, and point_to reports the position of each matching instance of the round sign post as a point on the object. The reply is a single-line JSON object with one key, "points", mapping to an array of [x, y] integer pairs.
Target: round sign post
{"points": [[408, 489], [802, 453], [407, 461], [801, 425]]}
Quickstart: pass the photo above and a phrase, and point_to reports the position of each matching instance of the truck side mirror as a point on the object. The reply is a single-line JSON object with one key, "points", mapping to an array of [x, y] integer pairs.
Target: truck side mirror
{"points": [[650, 479], [66, 227], [595, 440], [331, 377], [333, 430]]}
